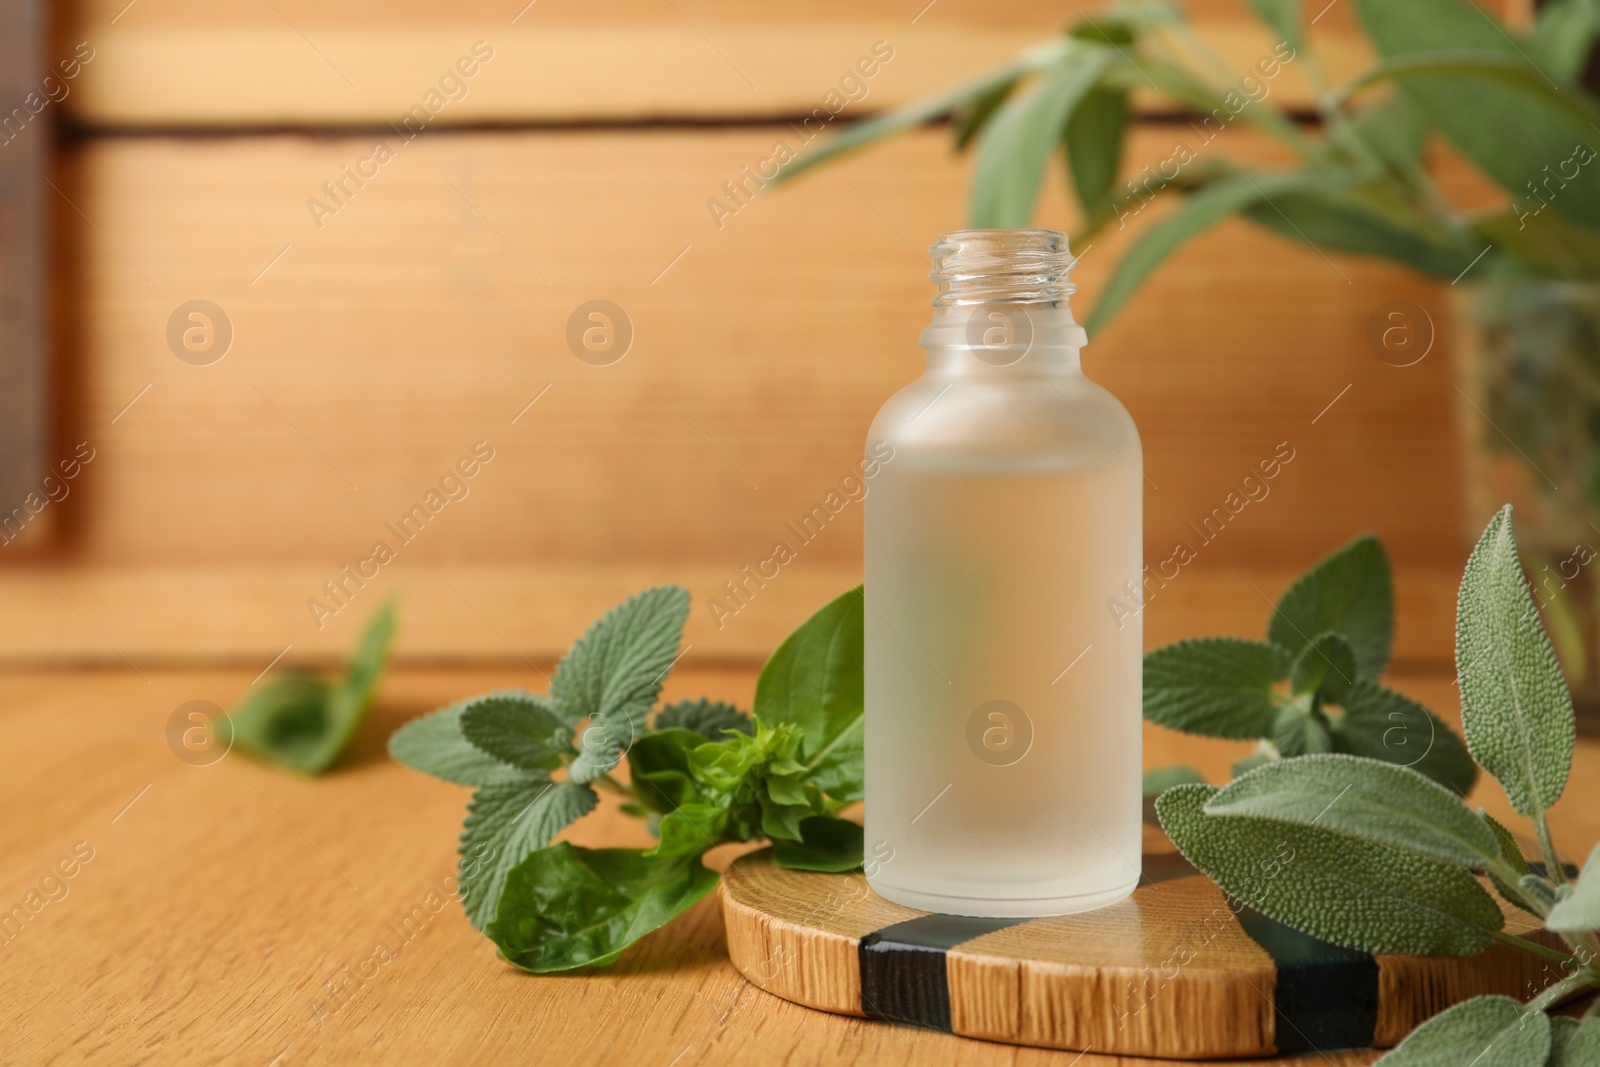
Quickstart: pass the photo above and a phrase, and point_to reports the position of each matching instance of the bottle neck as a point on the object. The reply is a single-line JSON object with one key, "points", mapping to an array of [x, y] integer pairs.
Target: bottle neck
{"points": [[1001, 307]]}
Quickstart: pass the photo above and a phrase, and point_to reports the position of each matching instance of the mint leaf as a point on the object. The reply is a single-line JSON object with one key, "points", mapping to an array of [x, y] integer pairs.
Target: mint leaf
{"points": [[299, 721], [1365, 799], [709, 717], [826, 844], [1161, 779], [613, 674], [1382, 724], [813, 682], [435, 745], [1328, 665], [1574, 1044], [1482, 1032], [1365, 896], [517, 728], [1579, 911], [506, 821], [566, 907], [1349, 592], [1515, 706], [1216, 686], [1297, 731]]}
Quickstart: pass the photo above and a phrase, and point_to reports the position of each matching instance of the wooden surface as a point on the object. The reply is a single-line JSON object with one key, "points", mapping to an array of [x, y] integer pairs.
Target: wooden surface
{"points": [[431, 310], [222, 901], [1101, 980]]}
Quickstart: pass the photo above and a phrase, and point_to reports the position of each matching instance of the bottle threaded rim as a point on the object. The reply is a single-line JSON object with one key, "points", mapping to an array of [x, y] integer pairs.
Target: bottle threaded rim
{"points": [[1002, 266]]}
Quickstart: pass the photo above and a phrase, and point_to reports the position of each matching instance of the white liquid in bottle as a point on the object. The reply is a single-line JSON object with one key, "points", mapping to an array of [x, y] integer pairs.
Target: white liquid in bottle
{"points": [[1003, 683]]}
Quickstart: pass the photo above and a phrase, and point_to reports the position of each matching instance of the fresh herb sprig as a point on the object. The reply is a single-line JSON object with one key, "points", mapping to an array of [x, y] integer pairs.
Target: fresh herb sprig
{"points": [[304, 722], [1379, 857], [1311, 686], [700, 771]]}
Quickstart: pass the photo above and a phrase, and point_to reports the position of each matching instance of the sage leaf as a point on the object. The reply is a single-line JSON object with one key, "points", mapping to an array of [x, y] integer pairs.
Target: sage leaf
{"points": [[1349, 592], [517, 728], [566, 907], [826, 844], [1015, 146], [434, 744], [1216, 686], [813, 682], [1507, 130], [1574, 1044], [1093, 140], [1380, 723], [1482, 1032], [1515, 706], [1327, 665], [1579, 911], [506, 822], [613, 674], [1354, 893], [1366, 799], [709, 717]]}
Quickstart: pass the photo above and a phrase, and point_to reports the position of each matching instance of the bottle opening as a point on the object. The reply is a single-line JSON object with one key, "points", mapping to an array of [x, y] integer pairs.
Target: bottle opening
{"points": [[1002, 267]]}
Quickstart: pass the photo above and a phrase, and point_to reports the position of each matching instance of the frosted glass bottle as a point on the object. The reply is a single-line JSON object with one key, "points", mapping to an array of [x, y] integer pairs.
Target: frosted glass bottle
{"points": [[1003, 691]]}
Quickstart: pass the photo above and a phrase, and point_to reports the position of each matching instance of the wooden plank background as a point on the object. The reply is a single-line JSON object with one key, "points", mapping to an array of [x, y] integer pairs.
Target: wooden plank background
{"points": [[372, 347]]}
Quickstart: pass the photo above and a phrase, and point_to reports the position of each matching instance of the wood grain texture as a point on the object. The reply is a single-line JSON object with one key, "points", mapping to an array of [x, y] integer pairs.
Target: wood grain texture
{"points": [[215, 916], [369, 355], [302, 62]]}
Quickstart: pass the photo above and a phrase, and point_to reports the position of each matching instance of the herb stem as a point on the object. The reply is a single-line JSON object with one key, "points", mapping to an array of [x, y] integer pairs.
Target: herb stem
{"points": [[1510, 885], [1552, 862], [605, 781], [1554, 955]]}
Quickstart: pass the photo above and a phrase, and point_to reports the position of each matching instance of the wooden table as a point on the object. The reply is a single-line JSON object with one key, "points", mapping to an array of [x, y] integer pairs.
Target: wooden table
{"points": [[232, 913]]}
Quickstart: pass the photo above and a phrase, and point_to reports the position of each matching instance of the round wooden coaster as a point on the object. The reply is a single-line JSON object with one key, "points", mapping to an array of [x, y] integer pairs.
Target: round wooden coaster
{"points": [[1172, 971]]}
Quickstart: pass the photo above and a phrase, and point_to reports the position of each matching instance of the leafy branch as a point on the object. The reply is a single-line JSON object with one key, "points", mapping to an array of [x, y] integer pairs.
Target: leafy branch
{"points": [[1379, 857], [700, 772]]}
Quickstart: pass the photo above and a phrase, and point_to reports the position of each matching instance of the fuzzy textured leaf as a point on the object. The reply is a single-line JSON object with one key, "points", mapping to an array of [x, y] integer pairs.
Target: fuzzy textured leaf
{"points": [[613, 675], [814, 682], [1366, 799], [1515, 706], [1349, 592], [517, 728], [1580, 909], [507, 821], [1574, 1044], [1380, 723], [434, 744], [1327, 665], [1354, 893], [567, 907], [707, 717], [1481, 1032], [1217, 686]]}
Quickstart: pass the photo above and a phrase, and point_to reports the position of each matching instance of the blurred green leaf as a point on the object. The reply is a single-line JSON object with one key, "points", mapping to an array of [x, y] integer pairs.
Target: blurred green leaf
{"points": [[1093, 142], [1284, 17], [1544, 242], [709, 717], [1327, 665], [1381, 724], [1345, 220], [1579, 911], [1564, 35], [1349, 592], [1015, 146], [971, 118], [1161, 779], [1298, 732], [1574, 1043]]}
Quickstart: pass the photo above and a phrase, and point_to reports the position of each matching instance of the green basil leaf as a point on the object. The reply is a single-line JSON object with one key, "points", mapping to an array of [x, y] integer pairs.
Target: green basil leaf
{"points": [[1482, 1032], [813, 682], [1216, 686], [658, 765], [1515, 706], [691, 829], [1348, 592], [1362, 895], [1366, 799], [566, 907], [826, 844]]}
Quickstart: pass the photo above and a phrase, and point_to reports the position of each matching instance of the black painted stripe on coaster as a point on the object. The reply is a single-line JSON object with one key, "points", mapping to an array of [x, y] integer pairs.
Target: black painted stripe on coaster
{"points": [[1326, 996], [903, 976]]}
